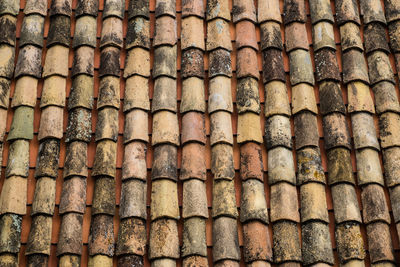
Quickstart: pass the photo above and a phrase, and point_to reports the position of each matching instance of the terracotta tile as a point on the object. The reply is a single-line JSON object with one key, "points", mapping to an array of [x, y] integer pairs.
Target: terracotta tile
{"points": [[192, 8], [251, 161], [316, 243], [39, 236], [164, 229], [10, 239], [392, 11], [7, 66], [284, 193], [331, 99], [107, 124], [32, 30], [364, 132], [257, 245], [273, 68], [259, 264], [195, 261], [323, 34], [51, 123], [79, 129], [271, 36], [286, 244], [221, 128], [294, 11], [114, 8], [249, 128], [136, 125], [303, 137], [9, 7], [164, 62], [375, 38], [192, 29], [73, 196], [296, 37], [109, 92], [85, 31], [313, 202], [192, 63], [385, 97], [320, 10], [345, 204], [191, 166], [350, 37], [193, 128], [247, 97], [224, 201], [25, 92], [165, 128], [277, 101], [281, 166], [394, 198], [18, 159], [61, 7], [379, 68], [194, 199], [38, 7], [301, 69], [303, 99], [136, 93], [246, 63], [9, 259], [59, 32], [3, 121], [269, 11], [138, 34], [81, 94], [309, 166], [44, 199], [372, 11], [246, 35], [165, 7], [47, 159], [339, 167], [87, 8], [138, 9], [103, 197], [222, 162], [194, 238], [193, 95], [129, 259], [165, 163], [164, 200], [374, 204], [29, 62], [111, 32], [220, 63], [5, 86], [349, 242], [54, 55], [253, 204], [326, 65], [13, 195], [389, 124], [164, 262], [347, 11], [244, 10], [218, 9], [165, 31], [134, 165], [102, 236], [220, 97], [225, 239], [53, 92], [227, 263], [76, 160], [110, 62], [105, 159], [131, 237], [354, 67], [138, 62], [70, 237], [218, 35], [379, 242], [359, 98], [336, 132]]}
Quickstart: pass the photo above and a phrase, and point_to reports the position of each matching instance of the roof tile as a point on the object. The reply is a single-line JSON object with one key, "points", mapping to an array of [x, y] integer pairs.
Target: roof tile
{"points": [[340, 169], [309, 166], [295, 11], [320, 10], [5, 86], [165, 128], [109, 92], [32, 31], [380, 68], [107, 124], [354, 67], [316, 244], [296, 37], [138, 62], [302, 122], [163, 262], [165, 163], [246, 35], [193, 128], [130, 259], [284, 193], [385, 97], [286, 242], [192, 63], [138, 8], [160, 230], [138, 33], [375, 38], [134, 165], [22, 124], [347, 11], [165, 7], [191, 36], [326, 65], [70, 238], [313, 206], [194, 194], [273, 68], [391, 161], [136, 126], [244, 10], [59, 32], [331, 99], [73, 196], [103, 197], [36, 7], [192, 8], [349, 242], [193, 95], [257, 245], [251, 162], [277, 101], [53, 92], [303, 98], [165, 56], [374, 204], [131, 237], [83, 64], [191, 166], [61, 7], [136, 93], [222, 162], [359, 98], [29, 62], [281, 166], [89, 7], [85, 31], [13, 196], [25, 93], [8, 26], [47, 158], [269, 11], [249, 128], [54, 55], [278, 132], [76, 160], [221, 128], [301, 68], [369, 169], [105, 159], [336, 131], [350, 37], [39, 239], [18, 159], [346, 204], [165, 31], [51, 123], [101, 240], [111, 32], [389, 125], [247, 63], [227, 263], [225, 239], [194, 237], [100, 260], [110, 61], [379, 242], [195, 261], [218, 9], [323, 35], [12, 233], [392, 11], [224, 200], [218, 35], [8, 54], [113, 8], [38, 259], [364, 132], [220, 97], [372, 11], [164, 201], [9, 7], [247, 96], [271, 36], [394, 198], [253, 203]]}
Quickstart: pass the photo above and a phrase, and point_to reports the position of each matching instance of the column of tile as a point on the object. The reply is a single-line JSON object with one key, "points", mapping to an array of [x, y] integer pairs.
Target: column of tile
{"points": [[78, 135], [164, 242], [193, 106], [132, 235], [52, 105], [101, 239], [375, 207], [278, 139], [27, 74], [253, 213], [224, 211], [392, 12], [361, 108], [8, 28]]}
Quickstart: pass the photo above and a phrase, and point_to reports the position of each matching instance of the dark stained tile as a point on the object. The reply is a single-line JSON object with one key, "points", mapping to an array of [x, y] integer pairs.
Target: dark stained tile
{"points": [[32, 31], [225, 239], [110, 62], [61, 7], [44, 198], [194, 237], [101, 240], [8, 26], [273, 68], [79, 129], [10, 238], [165, 163], [160, 230], [29, 62], [320, 10], [113, 8], [39, 239], [70, 237], [336, 131], [192, 63], [104, 197], [347, 11], [392, 11], [271, 36], [218, 9], [379, 242], [139, 8], [130, 260], [286, 244], [295, 11], [372, 11], [244, 10], [85, 31], [138, 34], [59, 32], [331, 99], [165, 8], [47, 159], [309, 166], [109, 93], [385, 97], [76, 160], [316, 243], [375, 38], [89, 7], [247, 96], [131, 237], [133, 199], [354, 67], [278, 132], [253, 204], [303, 137], [350, 37], [301, 68], [374, 204], [326, 65]]}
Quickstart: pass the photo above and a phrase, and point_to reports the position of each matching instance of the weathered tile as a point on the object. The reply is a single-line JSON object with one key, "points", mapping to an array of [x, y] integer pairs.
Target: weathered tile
{"points": [[165, 128], [47, 158], [110, 62], [165, 61], [345, 203], [73, 196], [364, 132], [303, 137], [269, 11], [192, 8], [326, 65], [253, 205], [104, 197], [273, 68], [100, 260], [131, 237], [32, 31], [222, 162], [114, 8], [76, 160], [10, 7], [160, 230], [375, 38], [138, 33], [218, 9], [101, 240], [221, 128], [394, 198], [36, 7], [136, 93], [107, 125], [61, 7], [7, 61], [3, 127], [249, 128], [251, 162], [281, 166], [316, 242], [271, 36], [109, 92], [225, 239], [379, 242], [5, 86], [51, 123], [385, 97], [309, 166], [194, 237], [247, 96], [59, 32], [354, 67], [164, 199], [336, 131], [380, 68], [165, 163], [347, 11], [111, 32], [193, 128], [39, 239], [372, 11], [247, 63], [79, 125], [224, 201], [136, 126], [286, 244], [9, 28], [29, 62], [70, 237], [389, 126], [349, 242], [165, 8], [165, 31], [323, 35], [195, 199], [350, 37], [301, 68], [284, 193], [192, 98], [303, 99], [54, 55], [9, 260], [163, 262], [313, 205], [227, 263], [257, 244], [10, 238], [277, 101], [37, 260], [130, 259], [105, 159], [278, 132], [296, 37], [391, 166], [85, 30], [220, 97], [374, 204], [320, 10], [218, 35], [191, 35], [192, 63], [87, 8], [220, 63], [22, 124], [394, 36], [192, 166], [359, 98], [138, 62], [392, 10], [13, 196], [246, 35], [195, 261], [244, 10], [331, 99], [295, 11], [81, 94], [339, 167], [138, 8], [53, 92], [134, 164]]}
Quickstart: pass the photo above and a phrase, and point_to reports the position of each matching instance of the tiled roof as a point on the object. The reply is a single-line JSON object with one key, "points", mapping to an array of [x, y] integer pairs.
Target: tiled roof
{"points": [[199, 133]]}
